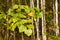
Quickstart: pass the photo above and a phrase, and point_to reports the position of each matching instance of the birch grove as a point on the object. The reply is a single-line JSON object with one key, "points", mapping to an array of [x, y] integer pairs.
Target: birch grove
{"points": [[44, 28]]}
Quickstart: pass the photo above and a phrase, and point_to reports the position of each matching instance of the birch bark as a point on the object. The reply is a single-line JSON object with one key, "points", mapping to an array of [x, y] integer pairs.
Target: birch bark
{"points": [[43, 20], [57, 27], [32, 6], [37, 23]]}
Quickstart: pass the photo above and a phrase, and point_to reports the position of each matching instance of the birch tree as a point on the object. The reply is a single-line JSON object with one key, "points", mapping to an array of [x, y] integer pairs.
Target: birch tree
{"points": [[54, 10], [43, 20], [37, 23], [32, 5], [57, 27]]}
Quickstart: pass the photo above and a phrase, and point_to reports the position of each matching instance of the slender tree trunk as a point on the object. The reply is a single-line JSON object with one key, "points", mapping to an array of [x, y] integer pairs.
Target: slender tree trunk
{"points": [[12, 2], [14, 35], [12, 5], [54, 14], [43, 20], [37, 23], [7, 20], [25, 2], [32, 6], [54, 11], [22, 37], [37, 3], [18, 1], [32, 3], [57, 27]]}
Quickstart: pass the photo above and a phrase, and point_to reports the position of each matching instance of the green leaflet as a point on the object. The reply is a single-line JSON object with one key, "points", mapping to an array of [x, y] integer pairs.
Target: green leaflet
{"points": [[28, 32], [36, 9], [22, 28], [23, 21], [2, 15], [10, 11], [12, 27], [13, 20], [30, 26], [38, 15], [15, 6], [26, 21]]}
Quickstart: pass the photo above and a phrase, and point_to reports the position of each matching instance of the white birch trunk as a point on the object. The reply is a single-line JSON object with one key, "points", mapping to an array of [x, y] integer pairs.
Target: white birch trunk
{"points": [[43, 20], [37, 23], [32, 3], [22, 36], [32, 6], [57, 27]]}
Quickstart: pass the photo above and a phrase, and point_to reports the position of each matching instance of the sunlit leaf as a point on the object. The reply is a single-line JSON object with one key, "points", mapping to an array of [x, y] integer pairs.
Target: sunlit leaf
{"points": [[13, 20], [15, 7], [30, 26], [12, 27], [28, 32], [31, 14], [22, 28]]}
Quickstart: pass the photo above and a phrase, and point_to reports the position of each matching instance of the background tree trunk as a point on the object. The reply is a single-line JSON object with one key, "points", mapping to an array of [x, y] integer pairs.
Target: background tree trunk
{"points": [[37, 23], [13, 2], [18, 1], [57, 27], [32, 6], [7, 21], [43, 20]]}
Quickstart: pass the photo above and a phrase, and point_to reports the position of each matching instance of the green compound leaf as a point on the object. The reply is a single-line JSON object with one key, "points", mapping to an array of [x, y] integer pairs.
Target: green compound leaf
{"points": [[28, 32], [13, 20], [18, 17], [26, 21]]}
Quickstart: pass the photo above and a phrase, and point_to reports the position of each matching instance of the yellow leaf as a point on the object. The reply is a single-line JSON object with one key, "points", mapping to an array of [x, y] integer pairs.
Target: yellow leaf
{"points": [[31, 14]]}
